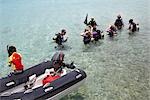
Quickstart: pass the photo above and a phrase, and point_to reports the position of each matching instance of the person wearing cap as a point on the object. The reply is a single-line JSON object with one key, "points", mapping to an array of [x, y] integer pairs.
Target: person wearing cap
{"points": [[15, 60], [92, 22], [119, 22]]}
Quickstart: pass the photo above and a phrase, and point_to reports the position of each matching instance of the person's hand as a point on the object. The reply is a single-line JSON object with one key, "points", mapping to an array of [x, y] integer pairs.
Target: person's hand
{"points": [[9, 64]]}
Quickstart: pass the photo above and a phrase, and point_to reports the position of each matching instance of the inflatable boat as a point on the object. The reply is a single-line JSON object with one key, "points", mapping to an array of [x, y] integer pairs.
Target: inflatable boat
{"points": [[13, 86]]}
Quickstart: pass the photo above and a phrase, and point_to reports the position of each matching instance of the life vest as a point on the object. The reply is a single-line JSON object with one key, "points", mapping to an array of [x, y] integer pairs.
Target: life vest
{"points": [[15, 60], [50, 78]]}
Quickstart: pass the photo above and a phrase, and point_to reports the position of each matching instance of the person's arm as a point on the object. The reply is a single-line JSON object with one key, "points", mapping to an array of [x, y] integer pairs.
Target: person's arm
{"points": [[96, 23], [115, 23], [10, 64], [82, 34], [129, 27], [122, 22], [10, 61], [89, 23]]}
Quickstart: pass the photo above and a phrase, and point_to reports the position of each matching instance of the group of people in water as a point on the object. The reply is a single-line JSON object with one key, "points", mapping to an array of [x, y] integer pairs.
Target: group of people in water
{"points": [[118, 24], [91, 33]]}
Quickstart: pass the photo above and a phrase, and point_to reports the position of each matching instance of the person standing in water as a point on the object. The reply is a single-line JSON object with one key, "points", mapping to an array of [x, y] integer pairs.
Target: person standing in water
{"points": [[15, 60], [119, 22], [133, 26], [112, 30], [60, 37], [92, 22]]}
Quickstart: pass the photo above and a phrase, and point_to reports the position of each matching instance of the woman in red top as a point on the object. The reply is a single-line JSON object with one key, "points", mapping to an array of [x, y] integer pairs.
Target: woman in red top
{"points": [[15, 59]]}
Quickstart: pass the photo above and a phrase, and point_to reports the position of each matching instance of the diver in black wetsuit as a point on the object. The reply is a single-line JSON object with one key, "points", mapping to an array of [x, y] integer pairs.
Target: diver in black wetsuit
{"points": [[92, 22], [86, 36], [119, 23], [133, 26], [59, 39]]}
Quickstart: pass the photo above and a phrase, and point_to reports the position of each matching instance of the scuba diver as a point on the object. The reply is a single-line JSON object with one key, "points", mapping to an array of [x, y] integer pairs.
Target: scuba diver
{"points": [[15, 60], [86, 36], [58, 65], [133, 26], [112, 31], [60, 37], [119, 22], [92, 22], [97, 34]]}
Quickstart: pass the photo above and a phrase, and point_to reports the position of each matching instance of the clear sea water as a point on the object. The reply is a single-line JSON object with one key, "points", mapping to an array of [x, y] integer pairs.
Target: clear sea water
{"points": [[117, 68]]}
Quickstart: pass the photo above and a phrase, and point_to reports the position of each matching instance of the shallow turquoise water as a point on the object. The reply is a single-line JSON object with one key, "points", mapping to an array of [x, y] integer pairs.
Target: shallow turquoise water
{"points": [[117, 69]]}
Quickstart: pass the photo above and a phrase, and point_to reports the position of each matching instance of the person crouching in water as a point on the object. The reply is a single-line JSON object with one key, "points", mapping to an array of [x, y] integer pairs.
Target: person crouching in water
{"points": [[112, 31], [133, 26], [119, 22], [60, 37], [15, 60]]}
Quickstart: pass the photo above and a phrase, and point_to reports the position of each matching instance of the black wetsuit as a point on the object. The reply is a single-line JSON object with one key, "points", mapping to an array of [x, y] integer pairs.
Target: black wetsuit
{"points": [[118, 23], [92, 23], [133, 25], [58, 39]]}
